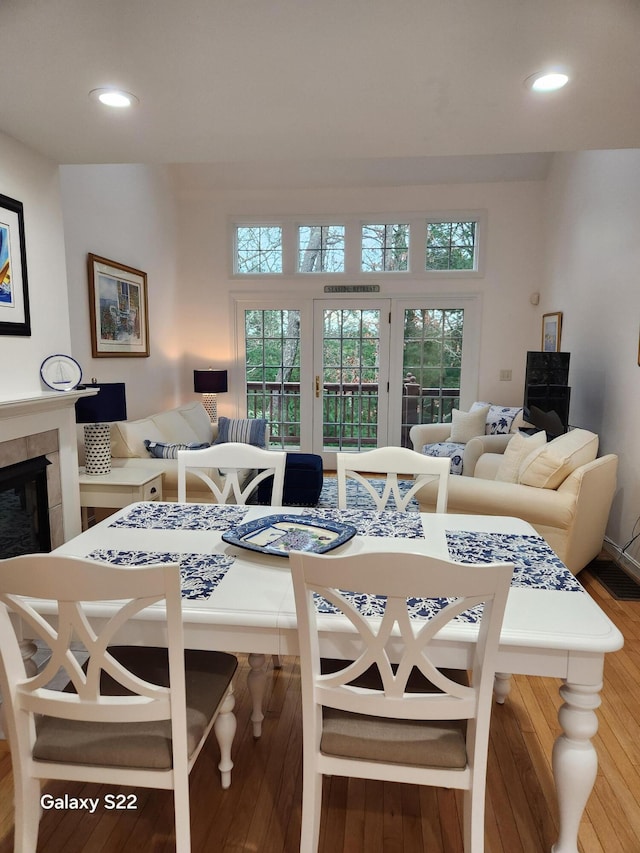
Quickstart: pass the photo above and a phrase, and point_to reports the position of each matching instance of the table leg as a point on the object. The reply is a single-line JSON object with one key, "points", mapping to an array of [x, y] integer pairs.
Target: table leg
{"points": [[575, 762], [256, 682], [501, 686]]}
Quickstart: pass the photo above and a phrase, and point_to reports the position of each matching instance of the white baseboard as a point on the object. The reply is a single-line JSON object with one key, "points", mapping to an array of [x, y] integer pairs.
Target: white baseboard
{"points": [[625, 560]]}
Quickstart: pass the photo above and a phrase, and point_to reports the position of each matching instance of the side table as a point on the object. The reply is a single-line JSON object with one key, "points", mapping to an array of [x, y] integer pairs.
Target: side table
{"points": [[118, 488]]}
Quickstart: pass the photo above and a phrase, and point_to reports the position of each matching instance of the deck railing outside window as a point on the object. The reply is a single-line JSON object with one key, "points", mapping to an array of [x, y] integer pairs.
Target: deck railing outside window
{"points": [[350, 411]]}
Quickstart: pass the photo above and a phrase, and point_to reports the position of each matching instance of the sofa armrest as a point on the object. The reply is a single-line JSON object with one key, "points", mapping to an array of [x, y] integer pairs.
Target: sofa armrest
{"points": [[421, 434], [479, 445]]}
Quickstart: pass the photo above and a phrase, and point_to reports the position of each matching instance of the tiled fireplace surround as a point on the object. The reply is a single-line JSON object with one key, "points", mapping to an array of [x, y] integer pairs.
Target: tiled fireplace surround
{"points": [[29, 447], [43, 424]]}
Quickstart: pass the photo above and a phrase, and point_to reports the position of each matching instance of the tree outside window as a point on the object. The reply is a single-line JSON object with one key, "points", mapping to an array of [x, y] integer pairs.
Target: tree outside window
{"points": [[451, 245], [321, 248], [258, 249], [385, 248]]}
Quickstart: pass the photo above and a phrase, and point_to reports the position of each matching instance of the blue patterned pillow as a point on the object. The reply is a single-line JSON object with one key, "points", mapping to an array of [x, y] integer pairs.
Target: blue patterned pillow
{"points": [[499, 419], [245, 430], [452, 449], [166, 450]]}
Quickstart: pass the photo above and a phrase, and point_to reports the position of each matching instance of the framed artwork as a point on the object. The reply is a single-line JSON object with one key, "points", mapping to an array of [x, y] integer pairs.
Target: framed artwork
{"points": [[14, 290], [118, 309], [551, 331]]}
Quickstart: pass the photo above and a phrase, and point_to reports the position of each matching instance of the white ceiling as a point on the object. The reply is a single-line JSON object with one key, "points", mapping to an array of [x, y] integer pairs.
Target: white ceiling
{"points": [[321, 92]]}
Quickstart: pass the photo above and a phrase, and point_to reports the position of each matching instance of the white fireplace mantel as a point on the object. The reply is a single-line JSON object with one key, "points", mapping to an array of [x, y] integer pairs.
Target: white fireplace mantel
{"points": [[38, 412]]}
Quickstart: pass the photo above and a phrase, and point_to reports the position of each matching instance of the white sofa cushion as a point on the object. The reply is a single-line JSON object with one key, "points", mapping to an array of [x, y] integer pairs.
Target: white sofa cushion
{"points": [[549, 466], [187, 424], [196, 416], [520, 447], [128, 437], [174, 427], [466, 425]]}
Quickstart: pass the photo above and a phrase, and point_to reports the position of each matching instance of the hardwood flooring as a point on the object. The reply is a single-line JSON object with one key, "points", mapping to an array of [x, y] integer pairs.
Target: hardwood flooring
{"points": [[261, 810]]}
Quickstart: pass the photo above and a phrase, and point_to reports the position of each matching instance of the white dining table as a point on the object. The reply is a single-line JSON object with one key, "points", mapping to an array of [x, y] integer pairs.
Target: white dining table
{"points": [[242, 601]]}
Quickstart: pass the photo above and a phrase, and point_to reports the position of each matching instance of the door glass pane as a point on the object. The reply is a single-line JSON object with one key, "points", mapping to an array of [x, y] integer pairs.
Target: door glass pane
{"points": [[351, 365], [432, 365], [272, 354]]}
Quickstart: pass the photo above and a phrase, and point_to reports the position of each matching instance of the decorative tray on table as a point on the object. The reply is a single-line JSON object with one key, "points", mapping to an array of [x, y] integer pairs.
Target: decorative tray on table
{"points": [[279, 534]]}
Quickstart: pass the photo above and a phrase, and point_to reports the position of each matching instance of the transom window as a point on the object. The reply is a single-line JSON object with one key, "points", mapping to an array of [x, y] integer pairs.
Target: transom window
{"points": [[258, 249], [451, 245], [440, 244], [385, 248], [321, 248]]}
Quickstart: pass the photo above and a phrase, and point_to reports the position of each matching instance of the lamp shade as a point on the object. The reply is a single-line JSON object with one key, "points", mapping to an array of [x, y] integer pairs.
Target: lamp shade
{"points": [[109, 404], [210, 381]]}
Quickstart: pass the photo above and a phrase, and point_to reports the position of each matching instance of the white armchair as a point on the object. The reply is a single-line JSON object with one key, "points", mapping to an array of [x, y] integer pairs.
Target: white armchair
{"points": [[456, 439]]}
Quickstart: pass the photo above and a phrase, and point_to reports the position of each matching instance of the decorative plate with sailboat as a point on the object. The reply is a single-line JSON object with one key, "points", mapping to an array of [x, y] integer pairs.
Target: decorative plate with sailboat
{"points": [[61, 372]]}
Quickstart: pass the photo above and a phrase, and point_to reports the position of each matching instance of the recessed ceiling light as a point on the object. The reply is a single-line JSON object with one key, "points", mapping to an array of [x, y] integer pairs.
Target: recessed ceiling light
{"points": [[547, 81], [113, 97]]}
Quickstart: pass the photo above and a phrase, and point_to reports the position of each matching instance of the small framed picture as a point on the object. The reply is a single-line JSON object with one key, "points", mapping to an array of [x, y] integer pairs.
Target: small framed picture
{"points": [[551, 332], [118, 309], [14, 291]]}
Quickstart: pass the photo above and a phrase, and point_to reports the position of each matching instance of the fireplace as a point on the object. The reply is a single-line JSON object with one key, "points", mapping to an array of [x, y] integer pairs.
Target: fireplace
{"points": [[33, 428], [24, 508]]}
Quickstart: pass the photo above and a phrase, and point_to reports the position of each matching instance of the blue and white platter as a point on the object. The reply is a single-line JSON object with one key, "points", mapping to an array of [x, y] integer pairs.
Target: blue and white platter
{"points": [[279, 534]]}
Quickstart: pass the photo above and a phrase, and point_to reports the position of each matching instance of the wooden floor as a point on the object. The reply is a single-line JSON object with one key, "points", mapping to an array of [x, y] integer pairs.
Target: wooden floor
{"points": [[261, 810]]}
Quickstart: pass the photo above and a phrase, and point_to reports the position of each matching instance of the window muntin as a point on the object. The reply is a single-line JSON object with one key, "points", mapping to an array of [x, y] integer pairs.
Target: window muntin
{"points": [[258, 249], [321, 248], [385, 247], [451, 246]]}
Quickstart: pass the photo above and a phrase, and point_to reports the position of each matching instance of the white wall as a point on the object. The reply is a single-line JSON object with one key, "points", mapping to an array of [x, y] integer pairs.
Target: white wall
{"points": [[33, 180], [126, 214], [593, 263], [513, 266]]}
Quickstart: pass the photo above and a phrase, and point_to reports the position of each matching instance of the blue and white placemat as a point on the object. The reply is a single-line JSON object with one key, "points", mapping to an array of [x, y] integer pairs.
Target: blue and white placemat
{"points": [[175, 516], [535, 564], [200, 574], [399, 525]]}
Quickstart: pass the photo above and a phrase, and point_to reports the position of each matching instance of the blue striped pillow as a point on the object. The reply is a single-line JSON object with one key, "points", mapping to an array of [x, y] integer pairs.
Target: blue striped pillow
{"points": [[166, 450], [245, 430]]}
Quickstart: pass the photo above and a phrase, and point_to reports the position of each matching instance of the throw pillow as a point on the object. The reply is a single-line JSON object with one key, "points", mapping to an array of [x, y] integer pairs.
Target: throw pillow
{"points": [[169, 450], [548, 467], [245, 430], [500, 418], [519, 448], [466, 425]]}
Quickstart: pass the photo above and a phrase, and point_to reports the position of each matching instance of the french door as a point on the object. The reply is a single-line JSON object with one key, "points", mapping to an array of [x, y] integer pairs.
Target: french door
{"points": [[348, 375], [351, 376]]}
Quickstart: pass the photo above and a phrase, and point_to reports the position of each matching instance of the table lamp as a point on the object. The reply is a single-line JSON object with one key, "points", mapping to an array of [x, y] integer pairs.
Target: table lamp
{"points": [[96, 413], [210, 383]]}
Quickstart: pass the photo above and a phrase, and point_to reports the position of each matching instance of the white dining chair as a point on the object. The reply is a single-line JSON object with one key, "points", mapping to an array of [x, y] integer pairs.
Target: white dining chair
{"points": [[392, 713], [392, 461], [243, 466], [131, 715]]}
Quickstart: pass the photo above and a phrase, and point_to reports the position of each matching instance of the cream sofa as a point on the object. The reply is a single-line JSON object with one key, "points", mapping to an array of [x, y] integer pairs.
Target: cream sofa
{"points": [[186, 424], [560, 488]]}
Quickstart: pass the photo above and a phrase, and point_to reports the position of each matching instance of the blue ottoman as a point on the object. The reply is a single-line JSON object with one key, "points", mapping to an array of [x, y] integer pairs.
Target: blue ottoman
{"points": [[302, 481]]}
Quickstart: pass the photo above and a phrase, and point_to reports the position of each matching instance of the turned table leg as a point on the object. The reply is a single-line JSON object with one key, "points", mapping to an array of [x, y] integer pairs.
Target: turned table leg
{"points": [[256, 683], [575, 762]]}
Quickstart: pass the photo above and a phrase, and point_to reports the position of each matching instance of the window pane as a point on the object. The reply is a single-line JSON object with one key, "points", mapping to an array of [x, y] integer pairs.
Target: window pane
{"points": [[321, 248], [451, 245], [273, 373], [258, 249], [385, 248]]}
